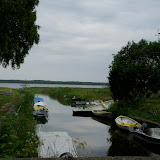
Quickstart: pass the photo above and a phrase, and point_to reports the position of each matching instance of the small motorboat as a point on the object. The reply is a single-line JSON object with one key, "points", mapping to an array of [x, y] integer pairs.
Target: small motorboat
{"points": [[55, 144], [150, 135], [40, 109], [127, 123], [40, 105], [102, 113]]}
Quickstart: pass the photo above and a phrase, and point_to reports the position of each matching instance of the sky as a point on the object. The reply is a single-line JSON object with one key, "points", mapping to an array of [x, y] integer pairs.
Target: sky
{"points": [[79, 37]]}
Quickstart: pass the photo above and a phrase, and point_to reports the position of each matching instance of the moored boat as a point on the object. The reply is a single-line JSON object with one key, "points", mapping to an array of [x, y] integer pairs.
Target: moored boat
{"points": [[107, 104], [77, 101], [127, 123], [96, 107], [55, 144], [40, 108], [150, 135]]}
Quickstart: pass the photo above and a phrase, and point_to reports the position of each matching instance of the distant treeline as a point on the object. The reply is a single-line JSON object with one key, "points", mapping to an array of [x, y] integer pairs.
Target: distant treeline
{"points": [[52, 82]]}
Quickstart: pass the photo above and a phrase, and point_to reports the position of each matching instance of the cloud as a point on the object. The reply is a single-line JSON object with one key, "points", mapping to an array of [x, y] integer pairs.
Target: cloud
{"points": [[79, 37]]}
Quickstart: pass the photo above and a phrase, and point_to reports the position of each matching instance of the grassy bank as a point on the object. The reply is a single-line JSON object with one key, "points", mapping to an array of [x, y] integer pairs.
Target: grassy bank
{"points": [[148, 109], [17, 130]]}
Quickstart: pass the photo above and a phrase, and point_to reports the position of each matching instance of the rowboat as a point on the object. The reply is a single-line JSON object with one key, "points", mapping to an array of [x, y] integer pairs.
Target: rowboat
{"points": [[55, 144], [150, 135], [127, 123], [96, 107], [107, 104], [102, 113]]}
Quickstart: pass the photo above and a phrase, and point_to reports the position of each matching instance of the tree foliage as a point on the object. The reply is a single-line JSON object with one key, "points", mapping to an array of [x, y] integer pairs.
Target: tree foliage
{"points": [[18, 31], [135, 71]]}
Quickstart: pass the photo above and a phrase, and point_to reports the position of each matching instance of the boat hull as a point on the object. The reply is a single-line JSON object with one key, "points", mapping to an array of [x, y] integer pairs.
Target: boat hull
{"points": [[103, 114], [151, 139], [40, 113]]}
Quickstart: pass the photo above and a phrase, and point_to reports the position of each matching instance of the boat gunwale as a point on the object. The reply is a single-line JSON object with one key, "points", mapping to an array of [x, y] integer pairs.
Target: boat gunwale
{"points": [[128, 124]]}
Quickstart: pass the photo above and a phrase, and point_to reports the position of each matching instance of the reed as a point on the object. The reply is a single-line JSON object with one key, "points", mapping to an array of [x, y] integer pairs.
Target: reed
{"points": [[65, 95]]}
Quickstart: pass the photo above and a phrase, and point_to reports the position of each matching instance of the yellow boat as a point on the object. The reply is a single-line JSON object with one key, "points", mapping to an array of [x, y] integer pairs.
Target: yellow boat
{"points": [[127, 123]]}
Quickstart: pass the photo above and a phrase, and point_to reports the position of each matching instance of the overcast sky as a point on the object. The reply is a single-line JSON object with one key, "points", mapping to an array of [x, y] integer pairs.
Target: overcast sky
{"points": [[78, 38]]}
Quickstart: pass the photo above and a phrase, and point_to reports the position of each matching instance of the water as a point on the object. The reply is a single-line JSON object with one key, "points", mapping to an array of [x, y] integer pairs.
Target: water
{"points": [[19, 85], [95, 137]]}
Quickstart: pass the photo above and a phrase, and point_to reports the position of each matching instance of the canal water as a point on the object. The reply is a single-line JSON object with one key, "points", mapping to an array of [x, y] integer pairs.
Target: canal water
{"points": [[92, 136]]}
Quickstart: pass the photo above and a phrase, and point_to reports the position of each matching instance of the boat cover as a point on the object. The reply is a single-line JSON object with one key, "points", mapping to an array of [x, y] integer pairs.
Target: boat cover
{"points": [[55, 144], [37, 99]]}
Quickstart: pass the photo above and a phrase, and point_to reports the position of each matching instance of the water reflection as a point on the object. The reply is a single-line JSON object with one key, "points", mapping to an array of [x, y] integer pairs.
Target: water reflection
{"points": [[93, 136], [41, 120]]}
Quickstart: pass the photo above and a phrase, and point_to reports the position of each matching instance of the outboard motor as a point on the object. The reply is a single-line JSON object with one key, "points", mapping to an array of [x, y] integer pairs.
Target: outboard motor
{"points": [[144, 126]]}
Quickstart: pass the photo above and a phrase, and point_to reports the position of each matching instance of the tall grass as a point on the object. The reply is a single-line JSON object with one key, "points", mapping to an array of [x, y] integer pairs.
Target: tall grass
{"points": [[65, 95]]}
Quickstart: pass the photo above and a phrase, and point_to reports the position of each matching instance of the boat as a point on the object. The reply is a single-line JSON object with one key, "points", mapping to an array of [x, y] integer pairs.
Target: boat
{"points": [[150, 135], [127, 123], [107, 104], [97, 101], [40, 109], [77, 101], [102, 113], [55, 144], [96, 107]]}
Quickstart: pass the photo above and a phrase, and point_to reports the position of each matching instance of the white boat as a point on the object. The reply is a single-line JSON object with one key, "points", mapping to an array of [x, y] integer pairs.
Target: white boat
{"points": [[96, 107], [150, 135], [55, 144], [107, 104], [102, 113], [127, 123]]}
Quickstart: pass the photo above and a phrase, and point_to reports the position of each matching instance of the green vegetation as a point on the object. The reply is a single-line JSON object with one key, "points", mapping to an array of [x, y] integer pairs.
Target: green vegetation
{"points": [[148, 109], [18, 30], [135, 73], [17, 131], [65, 95]]}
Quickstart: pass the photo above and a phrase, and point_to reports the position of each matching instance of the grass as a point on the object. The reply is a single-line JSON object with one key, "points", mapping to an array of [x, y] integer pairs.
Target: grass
{"points": [[145, 110], [17, 131]]}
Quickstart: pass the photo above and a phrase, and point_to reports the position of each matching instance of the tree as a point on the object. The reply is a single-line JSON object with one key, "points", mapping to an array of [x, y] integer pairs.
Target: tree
{"points": [[135, 71], [18, 31]]}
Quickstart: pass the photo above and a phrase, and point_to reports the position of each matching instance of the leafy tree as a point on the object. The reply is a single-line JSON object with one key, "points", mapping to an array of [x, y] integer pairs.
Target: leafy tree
{"points": [[135, 71], [18, 31]]}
